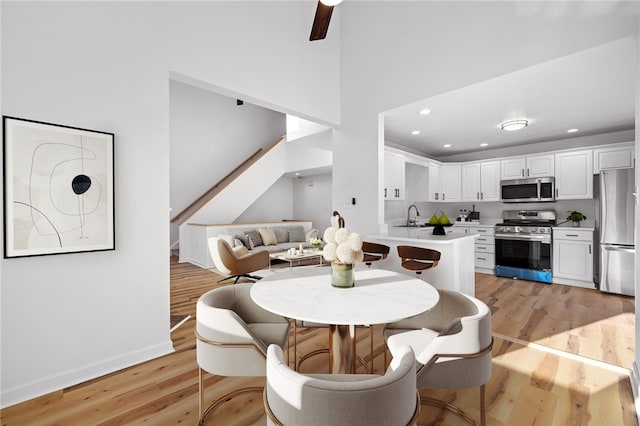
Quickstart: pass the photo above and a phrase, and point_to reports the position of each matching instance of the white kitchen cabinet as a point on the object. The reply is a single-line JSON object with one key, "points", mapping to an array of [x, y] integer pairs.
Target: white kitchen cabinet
{"points": [[529, 166], [457, 230], [445, 182], [574, 175], [394, 175], [451, 182], [619, 157], [485, 257], [481, 181], [573, 257]]}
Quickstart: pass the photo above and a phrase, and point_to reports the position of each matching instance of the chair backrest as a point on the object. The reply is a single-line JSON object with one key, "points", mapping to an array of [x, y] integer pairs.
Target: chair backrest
{"points": [[374, 252], [222, 255], [464, 325], [292, 398], [225, 344], [418, 258]]}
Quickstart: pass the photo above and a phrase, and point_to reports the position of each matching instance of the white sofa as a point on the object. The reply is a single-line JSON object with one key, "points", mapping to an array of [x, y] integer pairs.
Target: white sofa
{"points": [[194, 238]]}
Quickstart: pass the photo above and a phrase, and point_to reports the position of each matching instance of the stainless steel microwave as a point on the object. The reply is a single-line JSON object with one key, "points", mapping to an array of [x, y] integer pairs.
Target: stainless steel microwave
{"points": [[533, 190]]}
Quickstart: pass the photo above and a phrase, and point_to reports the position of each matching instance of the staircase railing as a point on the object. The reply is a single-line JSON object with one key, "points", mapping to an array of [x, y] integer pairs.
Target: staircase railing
{"points": [[209, 194]]}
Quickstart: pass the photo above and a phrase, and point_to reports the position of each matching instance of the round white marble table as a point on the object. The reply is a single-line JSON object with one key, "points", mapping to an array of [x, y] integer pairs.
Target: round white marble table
{"points": [[378, 297]]}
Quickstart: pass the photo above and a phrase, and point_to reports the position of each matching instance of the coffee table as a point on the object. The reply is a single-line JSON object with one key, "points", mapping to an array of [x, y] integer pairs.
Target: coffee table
{"points": [[291, 258]]}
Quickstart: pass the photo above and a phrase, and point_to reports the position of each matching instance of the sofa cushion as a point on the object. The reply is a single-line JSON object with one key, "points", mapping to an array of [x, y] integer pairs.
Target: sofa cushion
{"points": [[282, 234], [268, 236], [255, 238], [244, 239], [240, 251], [296, 234]]}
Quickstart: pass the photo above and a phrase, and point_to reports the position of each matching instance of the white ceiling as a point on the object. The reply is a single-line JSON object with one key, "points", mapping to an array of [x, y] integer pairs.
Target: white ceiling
{"points": [[593, 90]]}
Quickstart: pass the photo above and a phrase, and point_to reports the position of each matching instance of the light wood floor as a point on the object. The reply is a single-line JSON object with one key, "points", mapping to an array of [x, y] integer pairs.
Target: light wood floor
{"points": [[561, 356]]}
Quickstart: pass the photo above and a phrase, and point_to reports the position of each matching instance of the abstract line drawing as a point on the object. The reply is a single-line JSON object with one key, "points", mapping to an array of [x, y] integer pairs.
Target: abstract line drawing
{"points": [[59, 191]]}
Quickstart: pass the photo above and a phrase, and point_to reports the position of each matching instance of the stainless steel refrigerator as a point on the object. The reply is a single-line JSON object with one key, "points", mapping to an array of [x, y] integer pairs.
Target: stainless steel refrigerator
{"points": [[617, 230]]}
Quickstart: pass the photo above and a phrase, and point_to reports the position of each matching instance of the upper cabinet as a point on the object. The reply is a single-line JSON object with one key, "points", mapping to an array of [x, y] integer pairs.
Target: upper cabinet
{"points": [[526, 167], [394, 179], [445, 182], [620, 157], [574, 175], [481, 181]]}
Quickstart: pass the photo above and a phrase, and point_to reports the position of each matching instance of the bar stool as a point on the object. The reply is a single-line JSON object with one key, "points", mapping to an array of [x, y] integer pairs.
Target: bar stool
{"points": [[418, 259], [374, 252]]}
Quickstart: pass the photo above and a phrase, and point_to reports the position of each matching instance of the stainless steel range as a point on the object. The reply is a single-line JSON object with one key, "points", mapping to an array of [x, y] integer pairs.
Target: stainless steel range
{"points": [[523, 245]]}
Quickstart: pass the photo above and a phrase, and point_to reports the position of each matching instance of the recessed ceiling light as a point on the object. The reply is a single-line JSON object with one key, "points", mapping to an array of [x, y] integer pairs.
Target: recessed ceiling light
{"points": [[424, 111], [447, 145], [572, 130], [297, 174], [484, 144], [512, 125], [415, 132]]}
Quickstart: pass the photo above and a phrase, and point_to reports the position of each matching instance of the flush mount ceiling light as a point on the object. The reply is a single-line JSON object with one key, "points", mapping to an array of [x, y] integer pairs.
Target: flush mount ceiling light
{"points": [[512, 125], [424, 111], [572, 130], [415, 132]]}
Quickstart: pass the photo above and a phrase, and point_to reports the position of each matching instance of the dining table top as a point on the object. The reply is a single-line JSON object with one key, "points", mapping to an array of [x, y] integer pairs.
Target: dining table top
{"points": [[378, 296]]}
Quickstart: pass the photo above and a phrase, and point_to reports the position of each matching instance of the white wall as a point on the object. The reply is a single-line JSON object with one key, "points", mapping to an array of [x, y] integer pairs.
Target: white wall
{"points": [[312, 200], [106, 66], [273, 206], [420, 49], [209, 136]]}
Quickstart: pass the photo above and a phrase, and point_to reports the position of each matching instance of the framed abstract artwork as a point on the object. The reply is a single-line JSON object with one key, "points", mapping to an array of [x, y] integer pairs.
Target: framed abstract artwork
{"points": [[58, 189]]}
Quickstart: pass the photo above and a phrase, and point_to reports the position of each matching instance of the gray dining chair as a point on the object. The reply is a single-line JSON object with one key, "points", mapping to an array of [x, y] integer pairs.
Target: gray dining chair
{"points": [[294, 399], [232, 336]]}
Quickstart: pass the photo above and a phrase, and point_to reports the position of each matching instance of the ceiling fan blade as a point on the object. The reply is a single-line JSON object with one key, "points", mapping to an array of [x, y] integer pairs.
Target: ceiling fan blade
{"points": [[321, 22]]}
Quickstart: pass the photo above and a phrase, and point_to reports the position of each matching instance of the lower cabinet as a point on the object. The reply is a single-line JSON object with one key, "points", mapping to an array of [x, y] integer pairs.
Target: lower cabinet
{"points": [[485, 253], [573, 257]]}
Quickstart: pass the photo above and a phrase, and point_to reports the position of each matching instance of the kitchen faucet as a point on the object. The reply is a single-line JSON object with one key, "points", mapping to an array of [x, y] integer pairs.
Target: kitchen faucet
{"points": [[409, 221]]}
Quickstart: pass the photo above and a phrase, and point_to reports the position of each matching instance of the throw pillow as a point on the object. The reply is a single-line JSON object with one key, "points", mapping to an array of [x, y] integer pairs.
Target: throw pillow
{"points": [[268, 236], [282, 234], [310, 233], [255, 238], [244, 238], [296, 234], [240, 251]]}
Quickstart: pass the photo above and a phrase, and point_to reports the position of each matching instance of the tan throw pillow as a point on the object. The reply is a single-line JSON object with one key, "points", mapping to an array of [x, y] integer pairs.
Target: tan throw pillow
{"points": [[268, 236]]}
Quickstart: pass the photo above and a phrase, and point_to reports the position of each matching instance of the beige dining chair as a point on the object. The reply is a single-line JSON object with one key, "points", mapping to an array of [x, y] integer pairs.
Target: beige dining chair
{"points": [[232, 336], [452, 343], [294, 399]]}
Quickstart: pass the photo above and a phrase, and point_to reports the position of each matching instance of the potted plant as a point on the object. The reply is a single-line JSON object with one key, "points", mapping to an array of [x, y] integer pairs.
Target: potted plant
{"points": [[575, 217]]}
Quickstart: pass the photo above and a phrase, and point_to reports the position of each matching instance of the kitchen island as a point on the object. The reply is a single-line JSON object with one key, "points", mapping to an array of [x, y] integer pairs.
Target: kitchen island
{"points": [[456, 269]]}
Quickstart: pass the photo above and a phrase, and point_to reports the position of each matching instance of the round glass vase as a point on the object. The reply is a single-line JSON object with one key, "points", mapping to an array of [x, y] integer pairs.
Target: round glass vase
{"points": [[342, 275]]}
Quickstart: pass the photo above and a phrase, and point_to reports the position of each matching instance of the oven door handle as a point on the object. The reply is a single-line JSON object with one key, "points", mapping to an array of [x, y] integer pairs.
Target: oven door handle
{"points": [[544, 239]]}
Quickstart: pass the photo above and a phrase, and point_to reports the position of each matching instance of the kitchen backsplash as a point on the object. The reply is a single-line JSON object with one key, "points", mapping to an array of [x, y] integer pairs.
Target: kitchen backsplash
{"points": [[396, 211]]}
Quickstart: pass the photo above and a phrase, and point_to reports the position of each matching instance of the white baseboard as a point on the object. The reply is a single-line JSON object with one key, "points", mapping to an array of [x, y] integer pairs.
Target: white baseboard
{"points": [[73, 377], [635, 388]]}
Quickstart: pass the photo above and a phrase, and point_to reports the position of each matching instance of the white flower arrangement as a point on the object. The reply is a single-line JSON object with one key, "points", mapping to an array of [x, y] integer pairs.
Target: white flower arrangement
{"points": [[342, 246], [315, 242]]}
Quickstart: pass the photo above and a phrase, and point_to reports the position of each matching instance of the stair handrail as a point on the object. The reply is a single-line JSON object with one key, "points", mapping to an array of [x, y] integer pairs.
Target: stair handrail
{"points": [[228, 178]]}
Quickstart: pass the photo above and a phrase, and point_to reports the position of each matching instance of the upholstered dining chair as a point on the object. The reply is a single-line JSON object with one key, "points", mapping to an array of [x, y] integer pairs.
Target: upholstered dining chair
{"points": [[452, 343], [232, 336], [418, 259], [236, 262], [294, 399]]}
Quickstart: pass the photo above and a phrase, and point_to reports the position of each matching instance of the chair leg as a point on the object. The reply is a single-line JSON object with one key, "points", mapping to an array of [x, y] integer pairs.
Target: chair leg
{"points": [[205, 413], [371, 347], [483, 407]]}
